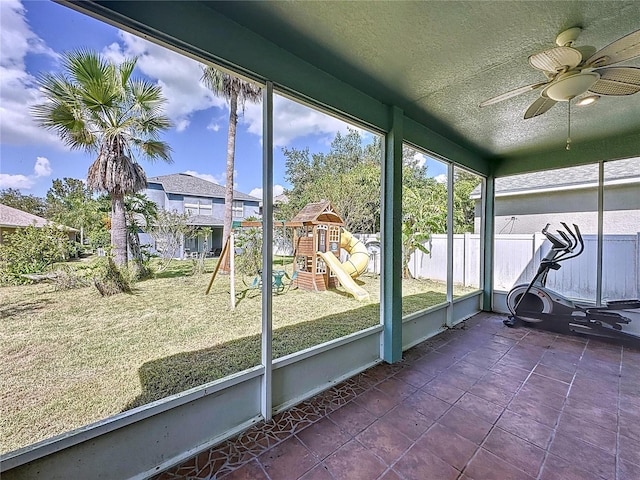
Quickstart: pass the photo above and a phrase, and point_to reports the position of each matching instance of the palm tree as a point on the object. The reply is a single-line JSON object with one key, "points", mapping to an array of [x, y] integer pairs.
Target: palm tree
{"points": [[96, 106], [237, 92], [141, 213]]}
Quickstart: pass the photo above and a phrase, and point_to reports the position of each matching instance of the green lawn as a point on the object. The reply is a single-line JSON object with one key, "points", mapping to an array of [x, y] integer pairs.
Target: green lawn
{"points": [[69, 358]]}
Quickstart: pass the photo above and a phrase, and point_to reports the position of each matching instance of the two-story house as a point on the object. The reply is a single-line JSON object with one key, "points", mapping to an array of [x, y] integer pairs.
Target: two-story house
{"points": [[203, 201], [525, 203]]}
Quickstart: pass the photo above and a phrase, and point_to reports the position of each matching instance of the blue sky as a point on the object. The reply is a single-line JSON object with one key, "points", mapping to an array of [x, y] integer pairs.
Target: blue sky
{"points": [[36, 33]]}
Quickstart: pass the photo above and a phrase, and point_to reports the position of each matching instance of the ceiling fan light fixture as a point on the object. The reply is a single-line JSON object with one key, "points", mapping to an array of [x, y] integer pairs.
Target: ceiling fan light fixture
{"points": [[588, 100], [570, 86]]}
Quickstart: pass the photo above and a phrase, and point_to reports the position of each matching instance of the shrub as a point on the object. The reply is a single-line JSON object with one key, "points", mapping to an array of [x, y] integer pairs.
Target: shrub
{"points": [[31, 250], [248, 245], [67, 278]]}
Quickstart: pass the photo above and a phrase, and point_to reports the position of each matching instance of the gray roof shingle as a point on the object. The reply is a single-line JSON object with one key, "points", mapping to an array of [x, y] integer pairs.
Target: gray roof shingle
{"points": [[12, 217], [576, 177], [185, 184], [205, 221]]}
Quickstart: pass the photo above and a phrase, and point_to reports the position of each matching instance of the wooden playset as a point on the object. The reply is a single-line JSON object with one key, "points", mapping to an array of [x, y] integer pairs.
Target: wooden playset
{"points": [[317, 228]]}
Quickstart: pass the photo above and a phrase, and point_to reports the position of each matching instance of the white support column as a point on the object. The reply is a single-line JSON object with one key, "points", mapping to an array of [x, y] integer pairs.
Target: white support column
{"points": [[267, 247]]}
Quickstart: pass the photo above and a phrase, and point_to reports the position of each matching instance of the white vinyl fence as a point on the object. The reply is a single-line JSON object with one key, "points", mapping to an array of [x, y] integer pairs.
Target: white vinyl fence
{"points": [[466, 260], [517, 258]]}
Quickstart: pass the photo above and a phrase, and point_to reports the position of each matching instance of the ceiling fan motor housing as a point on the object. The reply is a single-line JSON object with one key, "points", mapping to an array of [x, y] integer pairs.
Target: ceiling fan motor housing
{"points": [[570, 85], [568, 36]]}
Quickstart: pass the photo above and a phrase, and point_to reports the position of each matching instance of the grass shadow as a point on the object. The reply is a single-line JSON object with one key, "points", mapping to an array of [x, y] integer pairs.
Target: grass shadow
{"points": [[22, 308], [176, 373]]}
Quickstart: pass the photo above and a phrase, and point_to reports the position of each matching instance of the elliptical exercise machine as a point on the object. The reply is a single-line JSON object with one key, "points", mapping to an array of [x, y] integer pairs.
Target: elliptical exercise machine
{"points": [[536, 304]]}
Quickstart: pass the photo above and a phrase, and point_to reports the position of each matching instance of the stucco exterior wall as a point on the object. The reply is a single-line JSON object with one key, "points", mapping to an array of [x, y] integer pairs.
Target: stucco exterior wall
{"points": [[251, 209], [529, 213], [175, 202], [156, 194]]}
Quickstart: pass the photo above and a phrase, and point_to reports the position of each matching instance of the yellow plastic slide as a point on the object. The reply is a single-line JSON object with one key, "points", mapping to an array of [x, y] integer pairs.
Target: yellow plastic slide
{"points": [[358, 254], [347, 271]]}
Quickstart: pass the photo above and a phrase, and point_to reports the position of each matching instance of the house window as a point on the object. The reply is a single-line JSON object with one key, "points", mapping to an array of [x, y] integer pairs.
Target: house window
{"points": [[238, 209], [198, 206]]}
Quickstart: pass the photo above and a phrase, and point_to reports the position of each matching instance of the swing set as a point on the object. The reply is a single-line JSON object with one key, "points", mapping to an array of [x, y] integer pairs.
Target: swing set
{"points": [[281, 280]]}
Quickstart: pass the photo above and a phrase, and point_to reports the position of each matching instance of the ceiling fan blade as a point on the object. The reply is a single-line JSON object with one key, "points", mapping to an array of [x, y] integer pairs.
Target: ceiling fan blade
{"points": [[513, 93], [556, 59], [617, 81], [622, 49], [540, 106]]}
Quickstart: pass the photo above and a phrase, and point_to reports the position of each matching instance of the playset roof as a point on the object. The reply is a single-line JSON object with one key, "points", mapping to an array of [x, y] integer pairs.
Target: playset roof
{"points": [[318, 212]]}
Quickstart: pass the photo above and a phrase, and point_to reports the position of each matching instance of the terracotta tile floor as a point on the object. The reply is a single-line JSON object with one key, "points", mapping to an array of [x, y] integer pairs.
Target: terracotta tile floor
{"points": [[479, 402]]}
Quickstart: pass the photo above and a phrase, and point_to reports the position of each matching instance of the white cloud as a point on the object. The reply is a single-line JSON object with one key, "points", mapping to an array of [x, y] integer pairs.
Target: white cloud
{"points": [[18, 90], [220, 179], [178, 75], [442, 178], [15, 181], [277, 190], [17, 37], [42, 168], [181, 124], [420, 158], [292, 120], [214, 127]]}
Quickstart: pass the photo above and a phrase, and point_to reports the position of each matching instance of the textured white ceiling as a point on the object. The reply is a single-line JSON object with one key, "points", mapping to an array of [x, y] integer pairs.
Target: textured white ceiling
{"points": [[438, 60]]}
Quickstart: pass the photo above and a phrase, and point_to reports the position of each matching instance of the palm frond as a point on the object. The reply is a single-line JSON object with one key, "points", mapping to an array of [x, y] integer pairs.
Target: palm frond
{"points": [[97, 106], [214, 80], [149, 125], [154, 149], [125, 71], [116, 174], [86, 67], [146, 94], [225, 85]]}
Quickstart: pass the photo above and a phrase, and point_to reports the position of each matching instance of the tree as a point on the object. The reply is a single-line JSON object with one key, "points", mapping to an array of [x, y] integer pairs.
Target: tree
{"points": [[415, 226], [249, 242], [168, 232], [12, 197], [141, 214], [463, 205], [348, 176], [31, 250], [237, 92], [70, 202], [201, 234], [424, 212], [96, 106]]}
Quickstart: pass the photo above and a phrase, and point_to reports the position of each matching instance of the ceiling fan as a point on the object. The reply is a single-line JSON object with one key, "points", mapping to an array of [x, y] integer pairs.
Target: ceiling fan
{"points": [[575, 71]]}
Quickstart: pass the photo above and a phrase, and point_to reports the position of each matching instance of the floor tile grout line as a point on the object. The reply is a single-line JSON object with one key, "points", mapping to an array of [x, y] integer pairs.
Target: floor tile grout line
{"points": [[617, 464], [326, 415], [555, 427], [441, 415], [373, 381], [479, 446], [354, 437], [494, 425], [279, 441]]}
